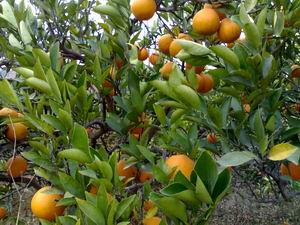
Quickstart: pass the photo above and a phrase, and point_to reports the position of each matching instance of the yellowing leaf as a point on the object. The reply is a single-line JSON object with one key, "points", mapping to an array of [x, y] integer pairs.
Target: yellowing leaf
{"points": [[281, 151]]}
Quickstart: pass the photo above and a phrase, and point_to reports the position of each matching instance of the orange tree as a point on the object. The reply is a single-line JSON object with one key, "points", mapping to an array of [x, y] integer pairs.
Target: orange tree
{"points": [[123, 141]]}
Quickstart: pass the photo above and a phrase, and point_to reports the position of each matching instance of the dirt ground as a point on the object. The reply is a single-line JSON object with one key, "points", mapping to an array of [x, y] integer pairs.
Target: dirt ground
{"points": [[237, 208]]}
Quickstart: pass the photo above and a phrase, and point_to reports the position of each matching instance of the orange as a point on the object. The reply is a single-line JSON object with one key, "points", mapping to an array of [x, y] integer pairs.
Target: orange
{"points": [[175, 47], [291, 170], [145, 176], [127, 172], [295, 71], [220, 14], [247, 108], [180, 163], [297, 107], [164, 43], [143, 54], [16, 167], [94, 190], [198, 69], [6, 112], [43, 205], [109, 85], [3, 213], [148, 204], [143, 9], [152, 221], [137, 132], [229, 31], [19, 129], [120, 63], [212, 138], [205, 83], [206, 22], [154, 58], [166, 70], [230, 45]]}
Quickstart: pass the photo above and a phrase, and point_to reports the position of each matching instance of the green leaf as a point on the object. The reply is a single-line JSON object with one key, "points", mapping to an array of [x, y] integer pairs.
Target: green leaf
{"points": [[206, 169], [202, 193], [222, 185], [43, 56], [39, 85], [160, 113], [250, 4], [172, 207], [193, 48], [236, 158], [259, 128], [53, 84], [187, 95], [91, 212], [281, 151], [71, 185], [8, 14], [76, 155], [24, 33], [261, 21], [39, 71], [124, 205], [80, 138], [278, 22], [146, 153], [13, 41], [227, 55], [244, 17], [8, 95], [215, 115], [252, 35], [54, 122]]}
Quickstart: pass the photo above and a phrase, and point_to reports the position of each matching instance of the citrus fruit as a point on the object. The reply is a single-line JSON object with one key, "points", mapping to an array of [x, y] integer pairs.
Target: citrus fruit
{"points": [[143, 54], [126, 172], [180, 163], [229, 31], [148, 204], [166, 70], [291, 170], [198, 69], [206, 22], [205, 83], [43, 205], [212, 138], [154, 58], [164, 43], [143, 9], [145, 176], [18, 129], [295, 71], [3, 213], [6, 112], [16, 166], [152, 221]]}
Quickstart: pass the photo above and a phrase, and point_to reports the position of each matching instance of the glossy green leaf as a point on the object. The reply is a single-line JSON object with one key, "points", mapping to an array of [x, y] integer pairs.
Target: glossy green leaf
{"points": [[236, 158], [91, 212]]}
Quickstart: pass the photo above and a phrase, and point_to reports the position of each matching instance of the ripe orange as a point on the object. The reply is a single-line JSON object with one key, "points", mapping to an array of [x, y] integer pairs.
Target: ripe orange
{"points": [[181, 163], [205, 83], [164, 43], [109, 85], [148, 204], [166, 70], [16, 167], [143, 54], [43, 205], [229, 31], [230, 45], [145, 176], [152, 221], [137, 132], [94, 190], [120, 63], [212, 138], [3, 213], [291, 170], [143, 9], [220, 14], [247, 108], [297, 107], [295, 71], [174, 47], [126, 172], [198, 69], [6, 112], [153, 58], [19, 129], [206, 22]]}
